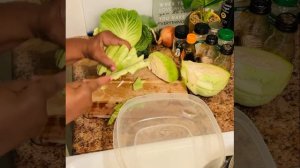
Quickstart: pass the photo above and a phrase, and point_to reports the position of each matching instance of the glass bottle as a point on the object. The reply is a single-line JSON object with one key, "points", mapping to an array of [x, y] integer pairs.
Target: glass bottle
{"points": [[190, 48], [282, 41], [201, 30], [252, 26], [224, 58], [225, 36], [179, 42], [208, 51], [227, 14], [283, 6]]}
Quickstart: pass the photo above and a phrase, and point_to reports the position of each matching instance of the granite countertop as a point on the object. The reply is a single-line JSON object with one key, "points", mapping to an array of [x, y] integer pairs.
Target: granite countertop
{"points": [[279, 121], [93, 134]]}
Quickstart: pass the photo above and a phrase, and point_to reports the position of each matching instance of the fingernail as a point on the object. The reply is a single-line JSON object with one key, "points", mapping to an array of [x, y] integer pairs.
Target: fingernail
{"points": [[113, 68]]}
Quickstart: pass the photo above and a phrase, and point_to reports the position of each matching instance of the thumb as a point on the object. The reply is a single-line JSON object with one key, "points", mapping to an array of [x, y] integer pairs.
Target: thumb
{"points": [[93, 84]]}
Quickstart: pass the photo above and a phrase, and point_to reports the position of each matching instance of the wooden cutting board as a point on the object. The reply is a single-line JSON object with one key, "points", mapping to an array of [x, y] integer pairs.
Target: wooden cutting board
{"points": [[107, 97]]}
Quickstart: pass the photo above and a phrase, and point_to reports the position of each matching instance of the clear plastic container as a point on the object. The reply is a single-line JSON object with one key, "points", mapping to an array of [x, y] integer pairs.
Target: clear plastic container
{"points": [[250, 148], [168, 131]]}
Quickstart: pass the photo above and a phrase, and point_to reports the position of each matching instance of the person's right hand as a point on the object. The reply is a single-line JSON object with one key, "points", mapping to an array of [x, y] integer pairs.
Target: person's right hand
{"points": [[79, 96], [24, 108]]}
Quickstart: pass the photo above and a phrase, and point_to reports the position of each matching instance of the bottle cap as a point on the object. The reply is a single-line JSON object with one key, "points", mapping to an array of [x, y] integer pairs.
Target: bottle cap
{"points": [[201, 28], [225, 34], [181, 31], [226, 49], [191, 38], [211, 39], [286, 3], [286, 22], [261, 7]]}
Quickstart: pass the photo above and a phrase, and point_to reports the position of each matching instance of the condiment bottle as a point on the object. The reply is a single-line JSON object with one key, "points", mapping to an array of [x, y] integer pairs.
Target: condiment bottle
{"points": [[190, 48], [284, 6], [208, 51], [253, 26], [201, 30], [282, 41], [224, 58], [179, 42], [225, 36], [227, 14]]}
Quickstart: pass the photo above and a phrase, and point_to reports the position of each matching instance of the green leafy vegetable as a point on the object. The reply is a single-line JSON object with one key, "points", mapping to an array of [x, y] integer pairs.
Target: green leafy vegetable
{"points": [[138, 84], [194, 4], [60, 56], [204, 79], [145, 40], [115, 114], [259, 76], [148, 21], [126, 24], [163, 66], [126, 62]]}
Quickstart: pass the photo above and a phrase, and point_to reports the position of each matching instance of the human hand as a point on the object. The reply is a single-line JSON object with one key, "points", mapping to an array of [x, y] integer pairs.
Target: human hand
{"points": [[79, 96], [24, 103], [93, 48]]}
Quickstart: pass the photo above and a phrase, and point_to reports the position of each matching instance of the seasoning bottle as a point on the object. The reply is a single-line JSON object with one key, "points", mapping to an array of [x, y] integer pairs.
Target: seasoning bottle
{"points": [[225, 36], [227, 14], [252, 26], [201, 30], [190, 48], [179, 42], [208, 51], [284, 6], [224, 58], [282, 41]]}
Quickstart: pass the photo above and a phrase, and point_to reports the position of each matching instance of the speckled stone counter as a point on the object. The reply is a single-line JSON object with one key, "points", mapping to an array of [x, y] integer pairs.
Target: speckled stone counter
{"points": [[93, 134], [279, 121]]}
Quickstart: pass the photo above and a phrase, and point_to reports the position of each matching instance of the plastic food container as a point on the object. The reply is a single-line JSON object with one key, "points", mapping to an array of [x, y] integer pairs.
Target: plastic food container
{"points": [[168, 131], [250, 149]]}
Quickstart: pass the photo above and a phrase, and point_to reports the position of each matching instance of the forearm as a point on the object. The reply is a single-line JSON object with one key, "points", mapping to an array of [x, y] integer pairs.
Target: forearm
{"points": [[19, 22]]}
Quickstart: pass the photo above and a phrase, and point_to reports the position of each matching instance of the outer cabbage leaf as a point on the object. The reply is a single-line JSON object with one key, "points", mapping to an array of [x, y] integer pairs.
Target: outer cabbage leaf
{"points": [[126, 24], [145, 40]]}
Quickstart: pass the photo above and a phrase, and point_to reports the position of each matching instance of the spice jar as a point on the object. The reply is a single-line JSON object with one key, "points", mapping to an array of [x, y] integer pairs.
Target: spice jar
{"points": [[253, 26], [201, 30], [284, 6], [208, 51], [224, 58], [225, 36], [282, 41], [190, 48], [179, 42]]}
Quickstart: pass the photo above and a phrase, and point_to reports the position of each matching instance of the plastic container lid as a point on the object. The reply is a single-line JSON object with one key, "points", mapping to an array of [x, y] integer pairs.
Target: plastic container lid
{"points": [[167, 131], [191, 38], [181, 31], [250, 149], [211, 39], [226, 34], [201, 28], [287, 3], [286, 22], [261, 7]]}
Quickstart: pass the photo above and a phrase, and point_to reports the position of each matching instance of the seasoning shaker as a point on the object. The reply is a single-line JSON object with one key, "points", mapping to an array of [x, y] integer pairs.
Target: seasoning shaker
{"points": [[224, 58], [253, 26], [282, 41], [190, 48], [208, 51], [225, 36], [179, 42]]}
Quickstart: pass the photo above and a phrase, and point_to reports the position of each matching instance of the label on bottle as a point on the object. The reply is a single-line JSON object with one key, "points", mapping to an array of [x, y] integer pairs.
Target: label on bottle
{"points": [[227, 14]]}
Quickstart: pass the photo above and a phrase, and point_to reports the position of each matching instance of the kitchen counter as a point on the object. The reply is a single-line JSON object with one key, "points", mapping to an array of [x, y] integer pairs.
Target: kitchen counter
{"points": [[93, 134], [279, 121]]}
